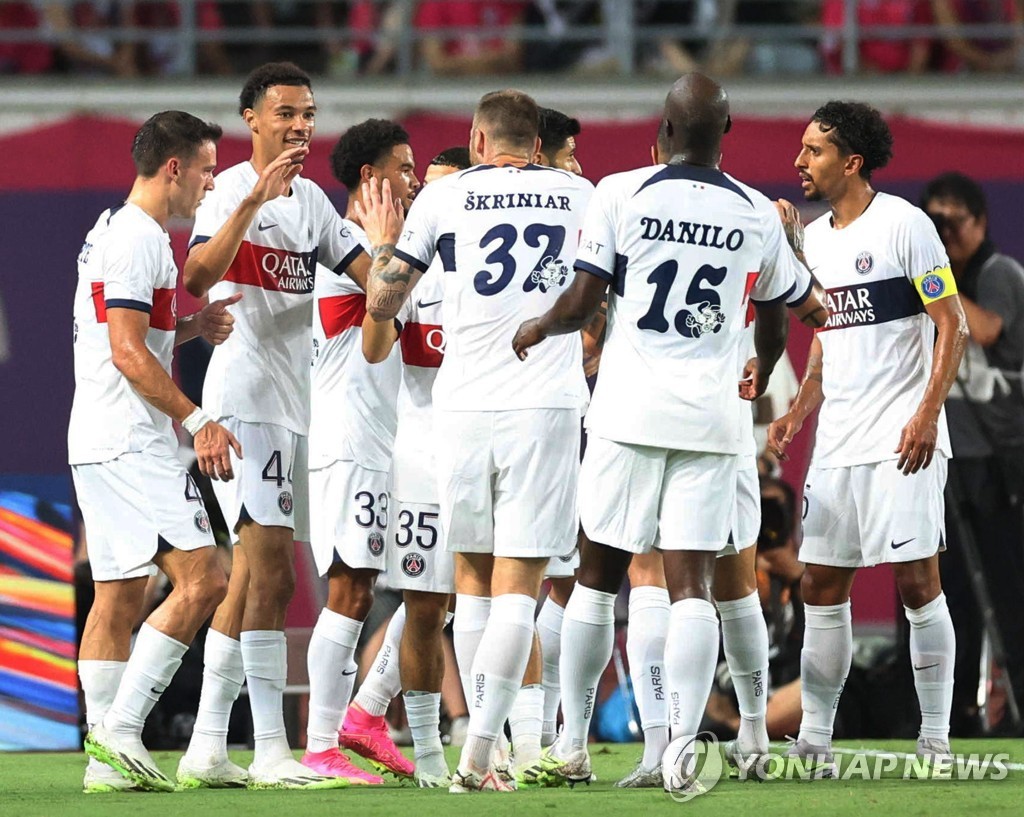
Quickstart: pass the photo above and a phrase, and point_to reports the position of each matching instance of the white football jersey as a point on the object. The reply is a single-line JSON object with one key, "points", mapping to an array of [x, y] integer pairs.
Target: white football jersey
{"points": [[126, 261], [261, 373], [422, 342], [353, 413], [683, 248], [507, 239], [879, 272]]}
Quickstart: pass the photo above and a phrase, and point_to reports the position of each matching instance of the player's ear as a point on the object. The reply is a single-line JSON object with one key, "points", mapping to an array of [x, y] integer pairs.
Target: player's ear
{"points": [[365, 173], [536, 149], [249, 116], [654, 155], [173, 167], [854, 163]]}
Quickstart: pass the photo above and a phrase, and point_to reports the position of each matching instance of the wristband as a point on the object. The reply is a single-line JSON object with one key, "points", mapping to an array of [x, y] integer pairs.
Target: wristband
{"points": [[195, 421]]}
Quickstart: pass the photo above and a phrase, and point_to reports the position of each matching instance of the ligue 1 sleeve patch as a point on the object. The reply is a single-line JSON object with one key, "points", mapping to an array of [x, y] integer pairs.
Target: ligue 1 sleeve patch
{"points": [[935, 285]]}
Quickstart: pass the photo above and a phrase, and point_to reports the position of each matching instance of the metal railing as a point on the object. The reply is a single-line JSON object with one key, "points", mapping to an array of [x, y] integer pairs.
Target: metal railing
{"points": [[620, 28]]}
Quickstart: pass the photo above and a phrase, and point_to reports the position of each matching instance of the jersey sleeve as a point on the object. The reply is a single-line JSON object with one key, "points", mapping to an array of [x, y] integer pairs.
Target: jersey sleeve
{"points": [[779, 274], [215, 209], [339, 246], [418, 241], [131, 269], [596, 254], [924, 259]]}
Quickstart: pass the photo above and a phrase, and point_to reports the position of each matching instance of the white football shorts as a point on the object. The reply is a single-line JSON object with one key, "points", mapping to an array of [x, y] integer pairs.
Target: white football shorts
{"points": [[748, 507], [131, 503], [348, 509], [633, 496], [507, 480], [417, 558], [864, 515]]}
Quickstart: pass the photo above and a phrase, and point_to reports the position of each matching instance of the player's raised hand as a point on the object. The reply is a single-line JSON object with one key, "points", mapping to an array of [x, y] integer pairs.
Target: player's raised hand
{"points": [[791, 224], [917, 443], [754, 381], [781, 433], [528, 334], [211, 443], [215, 322], [380, 214], [277, 176]]}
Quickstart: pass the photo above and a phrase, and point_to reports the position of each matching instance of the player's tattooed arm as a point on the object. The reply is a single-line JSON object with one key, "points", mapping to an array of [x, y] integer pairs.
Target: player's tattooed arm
{"points": [[389, 283], [813, 312], [782, 431], [792, 226], [920, 436], [573, 310]]}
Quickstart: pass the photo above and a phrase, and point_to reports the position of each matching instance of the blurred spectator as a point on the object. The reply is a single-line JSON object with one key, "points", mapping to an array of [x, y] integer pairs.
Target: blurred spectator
{"points": [[164, 54], [985, 414], [23, 58], [962, 53], [556, 18], [273, 15], [83, 31], [375, 31], [494, 49], [877, 56]]}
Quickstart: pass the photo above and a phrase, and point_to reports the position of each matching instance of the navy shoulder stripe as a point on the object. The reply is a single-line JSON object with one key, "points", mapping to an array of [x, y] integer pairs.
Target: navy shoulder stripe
{"points": [[702, 175]]}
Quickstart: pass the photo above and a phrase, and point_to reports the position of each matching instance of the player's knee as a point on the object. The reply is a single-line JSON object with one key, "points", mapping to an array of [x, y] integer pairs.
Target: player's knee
{"points": [[917, 590], [425, 615], [266, 590]]}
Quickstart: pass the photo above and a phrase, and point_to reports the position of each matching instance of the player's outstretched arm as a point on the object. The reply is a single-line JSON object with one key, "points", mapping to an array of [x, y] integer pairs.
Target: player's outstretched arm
{"points": [[213, 323], [208, 262], [130, 355], [378, 338], [771, 330], [782, 431], [390, 279], [573, 310], [918, 438], [813, 312]]}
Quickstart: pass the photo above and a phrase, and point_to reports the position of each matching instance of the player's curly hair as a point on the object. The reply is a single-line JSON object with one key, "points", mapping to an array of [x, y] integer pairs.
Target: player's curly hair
{"points": [[268, 75], [364, 144], [554, 130], [857, 128]]}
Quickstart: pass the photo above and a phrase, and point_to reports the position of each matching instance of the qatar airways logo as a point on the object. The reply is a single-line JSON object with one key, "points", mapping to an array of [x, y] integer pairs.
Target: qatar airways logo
{"points": [[435, 340], [292, 272]]}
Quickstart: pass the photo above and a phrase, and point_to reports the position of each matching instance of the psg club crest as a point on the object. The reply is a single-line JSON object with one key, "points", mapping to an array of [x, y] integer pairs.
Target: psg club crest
{"points": [[865, 262], [375, 542], [413, 565], [932, 286], [202, 521], [285, 503]]}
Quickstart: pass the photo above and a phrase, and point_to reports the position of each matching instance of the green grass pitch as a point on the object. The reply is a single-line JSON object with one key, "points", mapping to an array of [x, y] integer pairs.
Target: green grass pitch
{"points": [[49, 785]]}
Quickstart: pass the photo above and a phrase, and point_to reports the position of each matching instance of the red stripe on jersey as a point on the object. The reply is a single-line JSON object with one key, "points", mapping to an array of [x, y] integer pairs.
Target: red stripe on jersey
{"points": [[747, 289], [98, 303], [422, 345], [163, 315], [272, 269], [341, 312]]}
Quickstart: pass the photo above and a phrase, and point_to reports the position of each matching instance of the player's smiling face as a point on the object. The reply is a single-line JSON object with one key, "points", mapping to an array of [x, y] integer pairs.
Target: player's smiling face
{"points": [[194, 179], [821, 166], [285, 118]]}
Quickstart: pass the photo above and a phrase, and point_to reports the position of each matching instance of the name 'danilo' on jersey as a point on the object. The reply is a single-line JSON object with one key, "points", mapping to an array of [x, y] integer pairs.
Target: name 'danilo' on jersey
{"points": [[688, 232]]}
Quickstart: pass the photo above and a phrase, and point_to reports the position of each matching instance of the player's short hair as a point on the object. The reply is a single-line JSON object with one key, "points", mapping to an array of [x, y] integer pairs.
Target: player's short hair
{"points": [[267, 76], [457, 157], [958, 187], [364, 144], [554, 129], [510, 117], [857, 128], [167, 135]]}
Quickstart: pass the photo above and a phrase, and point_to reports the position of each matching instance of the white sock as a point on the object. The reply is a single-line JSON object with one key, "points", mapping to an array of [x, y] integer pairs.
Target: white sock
{"points": [[265, 658], [331, 677], [588, 632], [471, 613], [100, 680], [223, 677], [824, 665], [691, 654], [525, 722], [382, 682], [745, 638], [645, 649], [423, 711], [153, 662], [549, 630], [497, 675], [932, 651]]}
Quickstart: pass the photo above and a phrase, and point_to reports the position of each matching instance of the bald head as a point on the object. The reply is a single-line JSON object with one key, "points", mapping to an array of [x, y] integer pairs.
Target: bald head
{"points": [[696, 116]]}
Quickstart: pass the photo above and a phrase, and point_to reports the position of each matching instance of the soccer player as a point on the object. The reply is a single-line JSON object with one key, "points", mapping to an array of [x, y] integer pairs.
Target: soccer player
{"points": [[507, 435], [259, 233], [874, 491], [140, 507], [351, 436], [675, 242], [417, 561]]}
